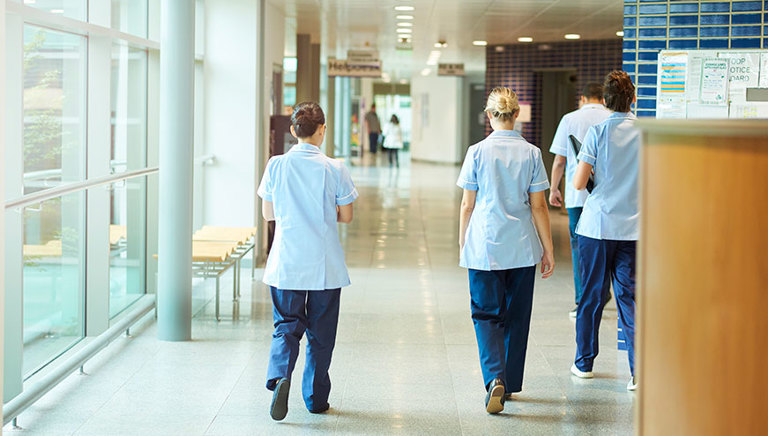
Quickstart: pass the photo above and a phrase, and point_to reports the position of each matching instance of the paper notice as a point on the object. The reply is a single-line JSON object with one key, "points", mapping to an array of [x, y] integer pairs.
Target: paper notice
{"points": [[673, 69], [714, 82], [764, 70], [695, 59], [743, 73]]}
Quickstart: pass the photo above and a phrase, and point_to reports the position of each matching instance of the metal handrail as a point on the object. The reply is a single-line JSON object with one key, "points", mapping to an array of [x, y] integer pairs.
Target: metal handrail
{"points": [[58, 191]]}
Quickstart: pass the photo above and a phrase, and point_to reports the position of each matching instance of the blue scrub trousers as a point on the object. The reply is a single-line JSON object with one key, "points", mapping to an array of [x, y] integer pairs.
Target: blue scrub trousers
{"points": [[501, 311], [574, 213], [297, 312], [600, 261]]}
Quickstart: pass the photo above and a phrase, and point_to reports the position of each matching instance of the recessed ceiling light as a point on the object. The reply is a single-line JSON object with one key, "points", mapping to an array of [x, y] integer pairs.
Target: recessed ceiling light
{"points": [[57, 11], [30, 2], [499, 48], [403, 82], [441, 44], [404, 17], [480, 43], [620, 33], [404, 8], [404, 30], [426, 72], [525, 39], [405, 24], [573, 36]]}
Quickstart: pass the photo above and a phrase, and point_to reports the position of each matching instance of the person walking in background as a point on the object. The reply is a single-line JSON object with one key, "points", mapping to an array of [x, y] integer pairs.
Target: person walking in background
{"points": [[393, 140], [504, 221], [576, 124], [608, 228], [306, 193], [373, 125]]}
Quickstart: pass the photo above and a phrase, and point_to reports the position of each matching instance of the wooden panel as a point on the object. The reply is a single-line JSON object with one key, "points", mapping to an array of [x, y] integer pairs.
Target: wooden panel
{"points": [[703, 285]]}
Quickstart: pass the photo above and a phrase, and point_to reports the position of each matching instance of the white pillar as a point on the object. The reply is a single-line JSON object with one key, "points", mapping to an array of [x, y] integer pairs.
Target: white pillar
{"points": [[177, 84]]}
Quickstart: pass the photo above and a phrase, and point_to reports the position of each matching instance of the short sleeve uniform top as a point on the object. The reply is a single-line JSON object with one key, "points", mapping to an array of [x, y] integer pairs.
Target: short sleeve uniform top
{"points": [[503, 169], [612, 148], [305, 186], [575, 123]]}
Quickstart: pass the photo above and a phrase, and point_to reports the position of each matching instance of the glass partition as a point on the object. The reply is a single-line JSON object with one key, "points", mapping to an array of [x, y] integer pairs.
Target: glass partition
{"points": [[53, 279], [127, 234]]}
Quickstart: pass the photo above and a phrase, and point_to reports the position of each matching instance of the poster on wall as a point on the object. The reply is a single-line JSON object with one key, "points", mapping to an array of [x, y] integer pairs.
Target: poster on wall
{"points": [[743, 73], [693, 80], [764, 70], [713, 89], [673, 69]]}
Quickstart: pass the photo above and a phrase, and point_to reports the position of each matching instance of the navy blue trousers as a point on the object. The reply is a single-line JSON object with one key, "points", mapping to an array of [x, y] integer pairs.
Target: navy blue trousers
{"points": [[601, 261], [574, 213], [501, 311], [315, 313]]}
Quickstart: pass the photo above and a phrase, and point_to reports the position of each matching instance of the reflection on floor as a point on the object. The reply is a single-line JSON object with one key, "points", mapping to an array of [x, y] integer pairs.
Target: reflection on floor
{"points": [[405, 363]]}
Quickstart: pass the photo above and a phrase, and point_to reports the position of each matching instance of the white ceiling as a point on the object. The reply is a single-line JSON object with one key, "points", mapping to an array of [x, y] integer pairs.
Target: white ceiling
{"points": [[340, 25]]}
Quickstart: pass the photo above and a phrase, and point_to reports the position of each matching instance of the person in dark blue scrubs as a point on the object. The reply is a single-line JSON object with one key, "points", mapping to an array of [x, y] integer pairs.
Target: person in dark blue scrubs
{"points": [[608, 227], [306, 193], [504, 221]]}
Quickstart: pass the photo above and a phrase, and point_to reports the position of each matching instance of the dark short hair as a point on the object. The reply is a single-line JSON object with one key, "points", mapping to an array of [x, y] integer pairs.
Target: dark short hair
{"points": [[306, 118], [394, 119], [593, 91], [618, 91]]}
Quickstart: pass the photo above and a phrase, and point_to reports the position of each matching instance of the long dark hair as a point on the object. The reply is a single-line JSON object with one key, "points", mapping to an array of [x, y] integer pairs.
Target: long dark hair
{"points": [[394, 119]]}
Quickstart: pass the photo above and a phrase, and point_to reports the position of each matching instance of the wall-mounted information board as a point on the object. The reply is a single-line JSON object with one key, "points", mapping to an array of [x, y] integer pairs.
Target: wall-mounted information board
{"points": [[712, 84]]}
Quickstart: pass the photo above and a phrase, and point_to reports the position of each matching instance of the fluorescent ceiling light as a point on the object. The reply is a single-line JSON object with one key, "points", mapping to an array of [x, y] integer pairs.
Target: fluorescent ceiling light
{"points": [[404, 8], [480, 43], [620, 33], [426, 72], [404, 17], [441, 44], [573, 36], [30, 2], [403, 82], [525, 39], [403, 30], [405, 24], [57, 11]]}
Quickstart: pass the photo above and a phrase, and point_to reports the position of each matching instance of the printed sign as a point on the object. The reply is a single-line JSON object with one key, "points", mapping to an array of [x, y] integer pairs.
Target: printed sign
{"points": [[343, 68], [743, 73], [714, 81], [673, 69], [450, 69], [363, 57]]}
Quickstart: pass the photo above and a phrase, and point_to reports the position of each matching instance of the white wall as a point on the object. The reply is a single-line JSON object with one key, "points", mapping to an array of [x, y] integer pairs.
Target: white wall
{"points": [[231, 109], [2, 195], [438, 133]]}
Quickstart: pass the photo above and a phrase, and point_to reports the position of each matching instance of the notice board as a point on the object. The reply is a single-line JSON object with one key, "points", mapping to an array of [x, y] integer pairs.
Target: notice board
{"points": [[712, 84]]}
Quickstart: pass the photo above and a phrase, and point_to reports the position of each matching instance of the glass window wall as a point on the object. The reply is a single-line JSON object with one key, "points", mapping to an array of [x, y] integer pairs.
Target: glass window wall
{"points": [[130, 16], [127, 230], [76, 9]]}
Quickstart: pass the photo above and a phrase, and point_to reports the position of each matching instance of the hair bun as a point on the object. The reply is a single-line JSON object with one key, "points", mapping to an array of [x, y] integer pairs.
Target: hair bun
{"points": [[502, 102]]}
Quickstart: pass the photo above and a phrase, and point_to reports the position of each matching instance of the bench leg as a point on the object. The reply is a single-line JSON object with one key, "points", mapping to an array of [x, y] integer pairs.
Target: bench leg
{"points": [[217, 298], [234, 281]]}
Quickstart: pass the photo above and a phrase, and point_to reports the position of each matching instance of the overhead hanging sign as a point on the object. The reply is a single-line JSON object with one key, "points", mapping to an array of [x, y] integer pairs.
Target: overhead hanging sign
{"points": [[363, 57], [343, 68], [450, 69]]}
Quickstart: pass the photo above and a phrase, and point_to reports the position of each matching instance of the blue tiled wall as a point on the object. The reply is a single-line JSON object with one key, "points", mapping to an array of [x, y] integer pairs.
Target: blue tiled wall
{"points": [[519, 67], [651, 26]]}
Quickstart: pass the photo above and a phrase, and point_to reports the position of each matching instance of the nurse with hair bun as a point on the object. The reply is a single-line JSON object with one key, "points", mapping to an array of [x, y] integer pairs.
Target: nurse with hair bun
{"points": [[504, 232]]}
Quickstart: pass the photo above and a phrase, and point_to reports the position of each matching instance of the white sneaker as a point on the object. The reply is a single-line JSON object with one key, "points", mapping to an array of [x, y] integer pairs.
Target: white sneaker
{"points": [[573, 312], [632, 385], [579, 373]]}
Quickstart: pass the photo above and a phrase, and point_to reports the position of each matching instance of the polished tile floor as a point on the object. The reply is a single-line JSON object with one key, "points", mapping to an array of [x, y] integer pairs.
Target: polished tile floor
{"points": [[405, 362]]}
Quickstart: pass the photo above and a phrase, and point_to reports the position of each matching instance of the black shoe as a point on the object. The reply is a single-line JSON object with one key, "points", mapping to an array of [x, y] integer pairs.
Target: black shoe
{"points": [[321, 409], [279, 407], [494, 399]]}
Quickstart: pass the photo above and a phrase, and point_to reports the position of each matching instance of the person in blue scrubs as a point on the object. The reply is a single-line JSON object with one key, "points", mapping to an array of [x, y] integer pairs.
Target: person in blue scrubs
{"points": [[503, 233], [576, 124], [608, 228], [306, 193]]}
